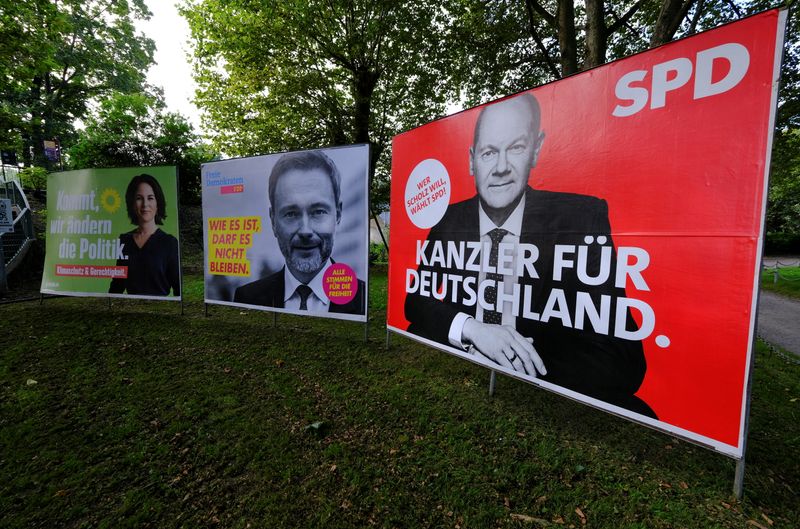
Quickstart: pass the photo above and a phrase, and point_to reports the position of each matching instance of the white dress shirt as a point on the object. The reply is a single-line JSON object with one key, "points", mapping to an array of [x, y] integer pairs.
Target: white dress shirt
{"points": [[513, 225], [317, 300]]}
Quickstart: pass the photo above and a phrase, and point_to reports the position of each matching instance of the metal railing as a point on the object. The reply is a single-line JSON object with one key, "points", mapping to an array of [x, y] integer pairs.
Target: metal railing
{"points": [[776, 265], [15, 243], [9, 173]]}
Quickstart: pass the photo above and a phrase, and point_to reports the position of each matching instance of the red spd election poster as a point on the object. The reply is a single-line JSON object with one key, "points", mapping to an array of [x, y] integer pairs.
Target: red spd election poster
{"points": [[601, 236]]}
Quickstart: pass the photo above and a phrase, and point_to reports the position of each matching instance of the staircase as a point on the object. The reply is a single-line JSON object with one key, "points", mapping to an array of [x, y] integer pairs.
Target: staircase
{"points": [[15, 244]]}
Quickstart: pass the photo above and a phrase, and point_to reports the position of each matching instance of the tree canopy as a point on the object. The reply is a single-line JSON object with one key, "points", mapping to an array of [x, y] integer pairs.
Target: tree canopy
{"points": [[131, 130], [291, 74], [513, 45], [58, 55]]}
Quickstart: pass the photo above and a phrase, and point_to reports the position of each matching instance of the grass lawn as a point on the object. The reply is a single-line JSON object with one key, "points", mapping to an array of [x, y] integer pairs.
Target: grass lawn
{"points": [[136, 416], [788, 282]]}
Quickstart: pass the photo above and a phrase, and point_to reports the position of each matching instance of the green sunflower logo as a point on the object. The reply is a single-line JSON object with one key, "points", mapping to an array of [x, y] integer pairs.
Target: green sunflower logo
{"points": [[110, 200]]}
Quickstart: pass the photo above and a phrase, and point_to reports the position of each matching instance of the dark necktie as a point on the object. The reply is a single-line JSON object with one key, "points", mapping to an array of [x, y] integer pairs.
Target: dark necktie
{"points": [[493, 316], [303, 291]]}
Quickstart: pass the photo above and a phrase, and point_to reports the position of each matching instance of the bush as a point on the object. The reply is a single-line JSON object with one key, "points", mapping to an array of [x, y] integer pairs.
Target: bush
{"points": [[782, 244], [378, 253], [33, 178]]}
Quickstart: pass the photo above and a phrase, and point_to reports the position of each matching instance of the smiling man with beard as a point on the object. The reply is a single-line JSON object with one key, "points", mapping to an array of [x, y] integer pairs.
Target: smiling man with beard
{"points": [[305, 209]]}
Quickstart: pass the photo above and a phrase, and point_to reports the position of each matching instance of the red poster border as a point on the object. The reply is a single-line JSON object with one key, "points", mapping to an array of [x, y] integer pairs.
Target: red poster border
{"points": [[732, 450]]}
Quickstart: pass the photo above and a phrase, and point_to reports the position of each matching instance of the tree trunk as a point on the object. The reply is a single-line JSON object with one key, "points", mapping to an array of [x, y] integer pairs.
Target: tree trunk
{"points": [[567, 41], [596, 34], [364, 82], [669, 20], [33, 150]]}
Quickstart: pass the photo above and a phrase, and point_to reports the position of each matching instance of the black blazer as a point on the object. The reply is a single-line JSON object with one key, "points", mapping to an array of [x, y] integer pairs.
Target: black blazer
{"points": [[268, 292], [597, 365]]}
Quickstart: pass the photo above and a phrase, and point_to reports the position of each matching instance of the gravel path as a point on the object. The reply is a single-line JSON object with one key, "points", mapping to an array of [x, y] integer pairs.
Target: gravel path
{"points": [[779, 321]]}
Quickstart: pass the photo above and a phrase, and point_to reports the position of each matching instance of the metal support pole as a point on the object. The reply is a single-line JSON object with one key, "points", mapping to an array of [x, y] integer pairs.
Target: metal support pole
{"points": [[205, 308], [109, 303], [3, 277], [181, 306], [775, 275], [387, 338], [275, 319], [41, 299], [738, 480], [366, 321], [492, 380]]}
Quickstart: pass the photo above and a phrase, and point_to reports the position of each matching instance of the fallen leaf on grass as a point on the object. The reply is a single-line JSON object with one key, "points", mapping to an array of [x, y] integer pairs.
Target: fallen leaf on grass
{"points": [[766, 518], [31, 382], [684, 485], [582, 516], [227, 370], [529, 519], [279, 363], [61, 493], [756, 524], [333, 468], [559, 520]]}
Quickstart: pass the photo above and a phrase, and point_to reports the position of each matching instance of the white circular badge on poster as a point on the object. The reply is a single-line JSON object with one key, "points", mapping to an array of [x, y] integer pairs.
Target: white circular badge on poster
{"points": [[427, 193]]}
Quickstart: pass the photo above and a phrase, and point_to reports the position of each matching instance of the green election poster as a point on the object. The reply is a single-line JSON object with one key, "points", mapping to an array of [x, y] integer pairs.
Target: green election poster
{"points": [[113, 232]]}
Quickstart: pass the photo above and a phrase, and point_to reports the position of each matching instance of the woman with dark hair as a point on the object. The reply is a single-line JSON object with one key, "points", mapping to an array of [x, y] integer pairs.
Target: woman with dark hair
{"points": [[152, 256]]}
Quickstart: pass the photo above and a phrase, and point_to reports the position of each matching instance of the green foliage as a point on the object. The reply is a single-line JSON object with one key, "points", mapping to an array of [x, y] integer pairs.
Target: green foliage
{"points": [[511, 45], [779, 243], [33, 178], [283, 75], [783, 206], [57, 56], [130, 130], [378, 253], [783, 280]]}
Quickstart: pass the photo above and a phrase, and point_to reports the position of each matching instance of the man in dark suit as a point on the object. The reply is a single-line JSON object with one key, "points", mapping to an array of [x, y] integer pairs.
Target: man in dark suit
{"points": [[517, 308], [305, 209]]}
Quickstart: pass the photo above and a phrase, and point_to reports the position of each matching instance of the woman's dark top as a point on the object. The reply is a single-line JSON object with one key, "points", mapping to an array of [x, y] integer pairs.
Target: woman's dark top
{"points": [[153, 269]]}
